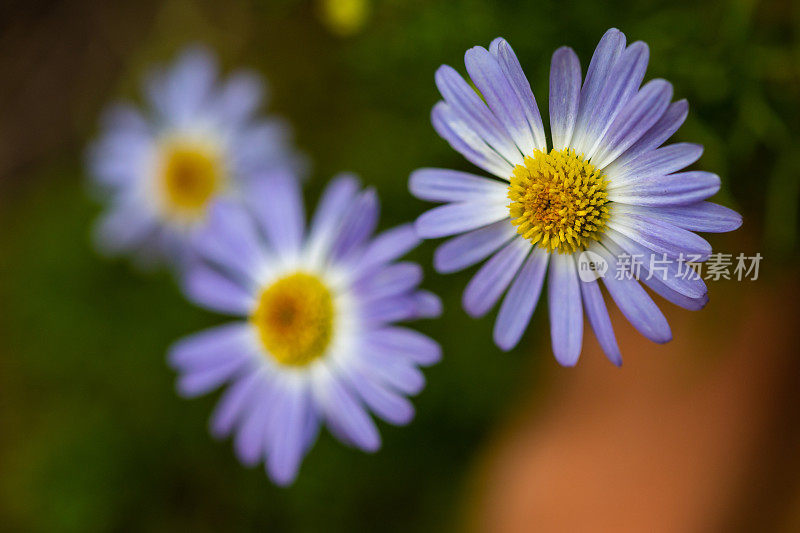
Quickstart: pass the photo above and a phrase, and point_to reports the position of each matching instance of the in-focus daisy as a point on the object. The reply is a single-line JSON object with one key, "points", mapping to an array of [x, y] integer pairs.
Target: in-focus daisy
{"points": [[602, 184], [200, 139], [316, 340]]}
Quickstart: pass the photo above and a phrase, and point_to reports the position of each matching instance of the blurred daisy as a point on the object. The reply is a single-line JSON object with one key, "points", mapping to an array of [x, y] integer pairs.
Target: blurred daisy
{"points": [[199, 140], [604, 185], [316, 342]]}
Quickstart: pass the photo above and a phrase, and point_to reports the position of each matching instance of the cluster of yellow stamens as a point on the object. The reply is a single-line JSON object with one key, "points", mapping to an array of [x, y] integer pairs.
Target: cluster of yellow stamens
{"points": [[558, 200], [294, 318], [191, 174]]}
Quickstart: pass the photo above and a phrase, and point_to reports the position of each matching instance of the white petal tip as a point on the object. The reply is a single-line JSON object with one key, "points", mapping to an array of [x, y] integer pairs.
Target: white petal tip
{"points": [[282, 479], [505, 343], [567, 360]]}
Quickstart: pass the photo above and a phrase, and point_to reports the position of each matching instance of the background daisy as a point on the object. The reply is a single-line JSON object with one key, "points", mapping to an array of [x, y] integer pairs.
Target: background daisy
{"points": [[601, 184], [317, 342], [198, 139]]}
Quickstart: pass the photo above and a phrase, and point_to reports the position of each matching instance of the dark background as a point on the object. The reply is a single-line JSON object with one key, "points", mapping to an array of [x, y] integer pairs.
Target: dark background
{"points": [[93, 438]]}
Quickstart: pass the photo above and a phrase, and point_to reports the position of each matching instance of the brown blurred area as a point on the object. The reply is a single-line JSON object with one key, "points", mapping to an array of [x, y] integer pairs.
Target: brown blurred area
{"points": [[58, 59], [61, 59], [700, 434]]}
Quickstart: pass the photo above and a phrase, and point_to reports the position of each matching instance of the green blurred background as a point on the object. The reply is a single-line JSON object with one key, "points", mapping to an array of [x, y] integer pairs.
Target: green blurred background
{"points": [[92, 436]]}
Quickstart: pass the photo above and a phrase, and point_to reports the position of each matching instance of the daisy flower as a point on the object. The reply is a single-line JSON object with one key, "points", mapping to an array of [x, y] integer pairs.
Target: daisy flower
{"points": [[199, 140], [315, 340], [603, 186]]}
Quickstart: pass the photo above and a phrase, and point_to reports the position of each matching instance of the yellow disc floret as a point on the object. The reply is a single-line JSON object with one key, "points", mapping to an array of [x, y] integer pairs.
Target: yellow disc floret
{"points": [[191, 174], [294, 318], [558, 200]]}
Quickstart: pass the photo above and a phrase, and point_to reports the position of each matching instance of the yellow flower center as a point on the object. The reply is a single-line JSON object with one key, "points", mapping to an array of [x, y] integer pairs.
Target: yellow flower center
{"points": [[294, 319], [191, 174], [558, 200]]}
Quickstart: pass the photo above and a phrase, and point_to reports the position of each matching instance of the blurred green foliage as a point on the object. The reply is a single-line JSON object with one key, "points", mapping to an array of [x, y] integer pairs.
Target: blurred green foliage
{"points": [[92, 436]]}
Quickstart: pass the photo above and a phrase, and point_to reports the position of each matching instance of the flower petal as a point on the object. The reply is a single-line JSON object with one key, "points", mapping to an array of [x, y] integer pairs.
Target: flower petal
{"points": [[469, 108], [389, 309], [262, 147], [426, 304], [702, 216], [391, 280], [336, 199], [123, 228], [397, 373], [660, 237], [565, 93], [633, 121], [386, 247], [346, 413], [211, 347], [634, 302], [500, 96], [605, 56], [597, 312], [238, 98], [234, 403], [516, 77], [486, 287], [460, 136], [249, 443], [197, 382], [384, 402], [186, 86], [622, 84], [566, 312], [457, 218], [683, 188], [123, 154], [230, 239], [665, 269], [277, 204], [653, 164], [673, 296], [662, 130], [286, 442], [395, 341], [357, 225], [443, 185], [520, 301], [208, 288], [513, 70], [466, 250]]}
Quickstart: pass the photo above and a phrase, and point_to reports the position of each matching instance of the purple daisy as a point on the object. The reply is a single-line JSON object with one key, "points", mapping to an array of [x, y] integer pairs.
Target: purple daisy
{"points": [[199, 139], [316, 342], [605, 187]]}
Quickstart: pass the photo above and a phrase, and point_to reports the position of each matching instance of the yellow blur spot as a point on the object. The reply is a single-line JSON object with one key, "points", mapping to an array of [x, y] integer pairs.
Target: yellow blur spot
{"points": [[294, 319], [344, 17]]}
